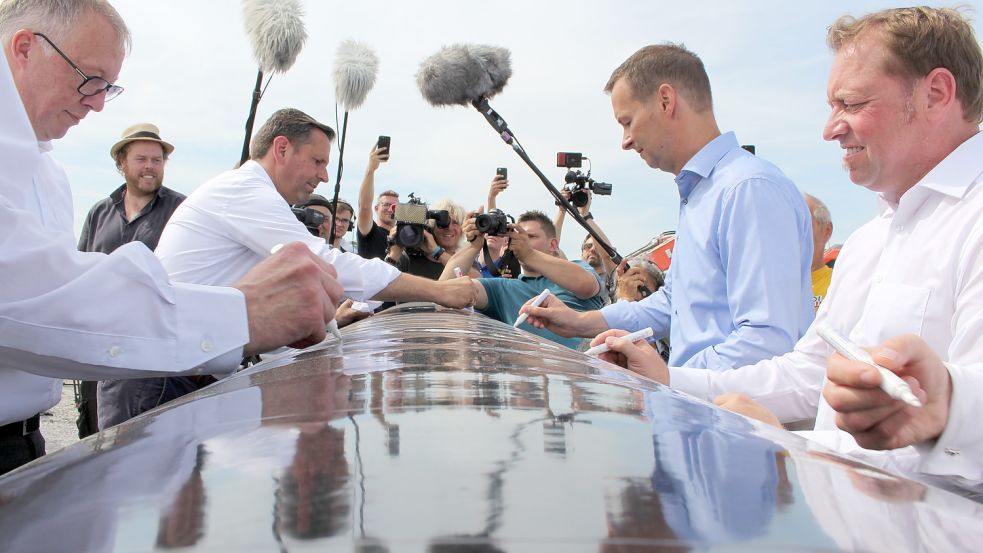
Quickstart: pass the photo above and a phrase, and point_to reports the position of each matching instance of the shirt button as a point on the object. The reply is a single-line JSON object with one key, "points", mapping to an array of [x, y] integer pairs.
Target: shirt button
{"points": [[951, 452], [685, 201], [115, 351], [206, 345]]}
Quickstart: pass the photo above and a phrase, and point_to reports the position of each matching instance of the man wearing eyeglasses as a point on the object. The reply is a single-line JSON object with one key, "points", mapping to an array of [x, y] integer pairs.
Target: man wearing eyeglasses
{"points": [[70, 314]]}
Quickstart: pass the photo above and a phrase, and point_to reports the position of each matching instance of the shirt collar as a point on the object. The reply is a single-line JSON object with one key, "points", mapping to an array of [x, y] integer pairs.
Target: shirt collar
{"points": [[253, 167], [19, 146], [953, 176], [701, 165]]}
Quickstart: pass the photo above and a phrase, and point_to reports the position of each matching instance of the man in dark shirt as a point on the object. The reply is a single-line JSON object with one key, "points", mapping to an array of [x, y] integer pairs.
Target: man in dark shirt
{"points": [[136, 211], [372, 235]]}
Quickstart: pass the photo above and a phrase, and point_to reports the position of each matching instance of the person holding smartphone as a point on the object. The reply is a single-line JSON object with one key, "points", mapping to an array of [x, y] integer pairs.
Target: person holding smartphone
{"points": [[375, 222]]}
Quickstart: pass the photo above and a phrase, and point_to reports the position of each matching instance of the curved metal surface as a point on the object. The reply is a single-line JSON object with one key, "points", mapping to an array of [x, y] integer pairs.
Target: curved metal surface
{"points": [[439, 430]]}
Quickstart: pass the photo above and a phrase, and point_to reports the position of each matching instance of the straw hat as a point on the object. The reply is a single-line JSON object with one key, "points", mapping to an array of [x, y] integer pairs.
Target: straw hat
{"points": [[140, 131]]}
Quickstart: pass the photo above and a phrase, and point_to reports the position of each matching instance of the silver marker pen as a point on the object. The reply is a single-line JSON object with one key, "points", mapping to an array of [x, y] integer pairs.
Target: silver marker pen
{"points": [[890, 382]]}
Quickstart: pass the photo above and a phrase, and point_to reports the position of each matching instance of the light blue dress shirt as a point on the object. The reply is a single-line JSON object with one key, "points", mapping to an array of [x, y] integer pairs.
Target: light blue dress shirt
{"points": [[739, 289]]}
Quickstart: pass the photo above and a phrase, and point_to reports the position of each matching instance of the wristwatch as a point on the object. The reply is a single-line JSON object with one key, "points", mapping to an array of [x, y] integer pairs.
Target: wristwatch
{"points": [[436, 253], [587, 216]]}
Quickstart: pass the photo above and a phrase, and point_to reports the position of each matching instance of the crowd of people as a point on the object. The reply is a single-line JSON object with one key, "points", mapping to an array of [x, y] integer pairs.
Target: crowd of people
{"points": [[169, 292]]}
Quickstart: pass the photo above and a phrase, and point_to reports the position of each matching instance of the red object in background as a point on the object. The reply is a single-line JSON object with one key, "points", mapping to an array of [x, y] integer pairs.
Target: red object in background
{"points": [[830, 255], [661, 255]]}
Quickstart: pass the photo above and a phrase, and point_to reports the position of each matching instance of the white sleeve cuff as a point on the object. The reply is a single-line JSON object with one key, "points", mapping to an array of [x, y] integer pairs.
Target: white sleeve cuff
{"points": [[212, 328], [959, 449], [695, 382]]}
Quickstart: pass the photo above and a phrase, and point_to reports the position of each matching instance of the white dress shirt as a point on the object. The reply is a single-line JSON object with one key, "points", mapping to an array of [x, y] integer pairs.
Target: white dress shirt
{"points": [[916, 268], [230, 223], [66, 314]]}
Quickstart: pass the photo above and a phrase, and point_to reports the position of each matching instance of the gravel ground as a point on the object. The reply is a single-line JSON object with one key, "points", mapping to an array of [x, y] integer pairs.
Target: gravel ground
{"points": [[58, 423]]}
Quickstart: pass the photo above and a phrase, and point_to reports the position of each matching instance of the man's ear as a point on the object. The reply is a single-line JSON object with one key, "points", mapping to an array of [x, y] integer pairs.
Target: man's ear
{"points": [[281, 145], [22, 45], [940, 92], [667, 99]]}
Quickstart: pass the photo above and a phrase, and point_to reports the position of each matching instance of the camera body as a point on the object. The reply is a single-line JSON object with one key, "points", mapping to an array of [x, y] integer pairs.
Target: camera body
{"points": [[493, 223], [411, 221], [312, 218], [577, 183]]}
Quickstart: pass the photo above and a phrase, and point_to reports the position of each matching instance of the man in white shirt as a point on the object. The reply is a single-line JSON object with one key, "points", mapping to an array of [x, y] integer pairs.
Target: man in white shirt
{"points": [[232, 222], [68, 314], [906, 102]]}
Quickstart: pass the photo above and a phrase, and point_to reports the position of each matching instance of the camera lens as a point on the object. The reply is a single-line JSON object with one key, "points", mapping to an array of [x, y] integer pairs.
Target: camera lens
{"points": [[579, 198], [409, 236]]}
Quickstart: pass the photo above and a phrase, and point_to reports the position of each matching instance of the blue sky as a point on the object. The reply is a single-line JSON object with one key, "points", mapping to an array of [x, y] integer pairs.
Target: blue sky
{"points": [[191, 72]]}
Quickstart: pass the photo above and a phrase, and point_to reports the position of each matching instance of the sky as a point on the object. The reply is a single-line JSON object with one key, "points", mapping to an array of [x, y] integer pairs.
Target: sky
{"points": [[191, 72]]}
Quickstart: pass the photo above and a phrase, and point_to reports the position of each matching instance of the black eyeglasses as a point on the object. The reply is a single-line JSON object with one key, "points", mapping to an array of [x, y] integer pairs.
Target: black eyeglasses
{"points": [[91, 86]]}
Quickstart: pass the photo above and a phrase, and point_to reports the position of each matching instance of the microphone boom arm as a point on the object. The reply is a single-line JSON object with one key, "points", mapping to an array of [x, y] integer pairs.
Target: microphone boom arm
{"points": [[499, 124]]}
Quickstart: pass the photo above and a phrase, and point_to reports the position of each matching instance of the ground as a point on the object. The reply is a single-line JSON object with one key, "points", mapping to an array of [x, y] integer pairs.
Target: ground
{"points": [[58, 423]]}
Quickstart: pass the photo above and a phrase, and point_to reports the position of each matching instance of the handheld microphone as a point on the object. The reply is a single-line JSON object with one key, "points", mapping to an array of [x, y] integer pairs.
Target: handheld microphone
{"points": [[276, 32], [355, 69]]}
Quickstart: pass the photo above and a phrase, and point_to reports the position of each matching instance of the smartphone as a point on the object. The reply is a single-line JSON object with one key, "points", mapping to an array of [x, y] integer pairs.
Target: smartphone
{"points": [[502, 172], [383, 143]]}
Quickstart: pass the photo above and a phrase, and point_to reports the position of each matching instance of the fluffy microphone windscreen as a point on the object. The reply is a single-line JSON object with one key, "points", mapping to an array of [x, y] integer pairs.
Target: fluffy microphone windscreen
{"points": [[462, 73], [276, 31], [355, 69]]}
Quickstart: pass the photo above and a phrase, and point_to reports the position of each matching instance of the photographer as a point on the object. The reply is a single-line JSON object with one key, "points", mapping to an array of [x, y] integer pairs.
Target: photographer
{"points": [[505, 267], [594, 255], [438, 246], [370, 235], [636, 280], [533, 241]]}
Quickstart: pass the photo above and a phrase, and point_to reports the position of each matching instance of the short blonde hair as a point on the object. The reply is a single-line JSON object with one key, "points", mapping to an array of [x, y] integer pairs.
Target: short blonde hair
{"points": [[919, 40]]}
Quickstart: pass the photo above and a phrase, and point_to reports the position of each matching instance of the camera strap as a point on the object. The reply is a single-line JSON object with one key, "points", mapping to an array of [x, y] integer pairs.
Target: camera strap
{"points": [[489, 262]]}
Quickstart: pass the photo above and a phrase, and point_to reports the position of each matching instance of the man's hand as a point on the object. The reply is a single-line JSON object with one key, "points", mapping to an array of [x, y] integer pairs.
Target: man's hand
{"points": [[743, 405], [878, 421], [346, 315], [630, 284], [498, 185], [555, 316], [376, 156], [394, 251], [639, 357], [519, 243], [475, 239], [457, 293], [290, 298]]}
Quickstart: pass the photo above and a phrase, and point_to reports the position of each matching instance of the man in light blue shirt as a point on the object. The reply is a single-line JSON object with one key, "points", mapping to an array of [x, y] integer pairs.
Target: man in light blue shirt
{"points": [[739, 289]]}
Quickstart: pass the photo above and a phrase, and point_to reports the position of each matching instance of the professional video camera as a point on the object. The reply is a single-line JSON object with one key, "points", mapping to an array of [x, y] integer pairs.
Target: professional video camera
{"points": [[411, 221], [312, 218], [577, 183], [493, 223]]}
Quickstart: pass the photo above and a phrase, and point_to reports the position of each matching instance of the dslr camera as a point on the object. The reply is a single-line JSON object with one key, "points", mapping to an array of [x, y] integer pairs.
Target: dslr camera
{"points": [[577, 183], [312, 218], [493, 223], [411, 221]]}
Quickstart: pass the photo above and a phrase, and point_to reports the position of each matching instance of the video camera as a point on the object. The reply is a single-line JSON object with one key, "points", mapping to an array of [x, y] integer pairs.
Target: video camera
{"points": [[411, 221], [577, 183], [312, 218], [493, 223]]}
